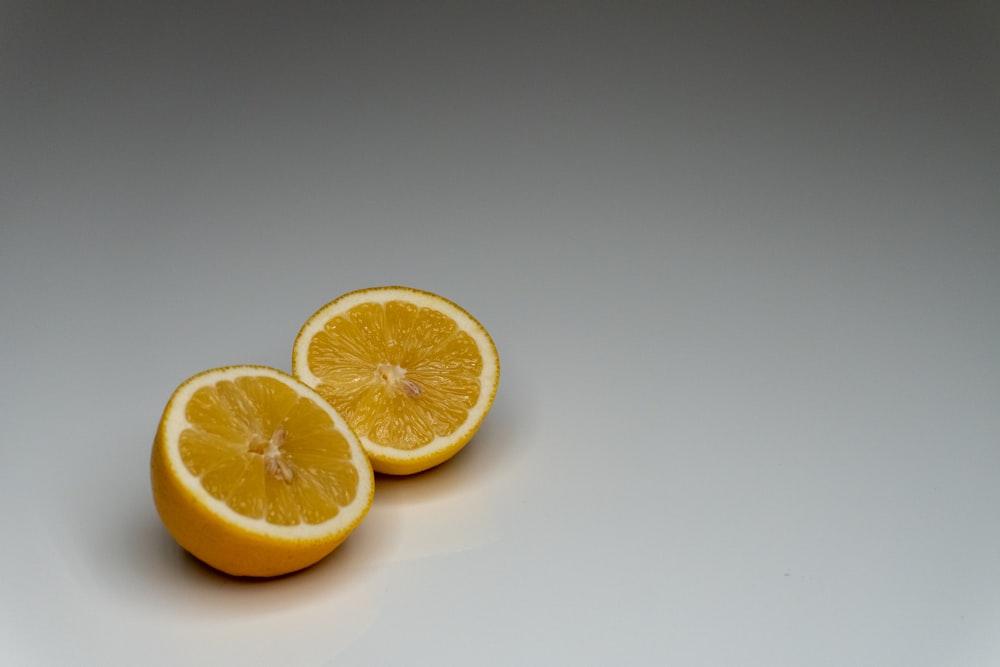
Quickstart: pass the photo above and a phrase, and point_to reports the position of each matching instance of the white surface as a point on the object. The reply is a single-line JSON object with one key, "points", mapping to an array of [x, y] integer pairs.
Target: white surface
{"points": [[742, 266]]}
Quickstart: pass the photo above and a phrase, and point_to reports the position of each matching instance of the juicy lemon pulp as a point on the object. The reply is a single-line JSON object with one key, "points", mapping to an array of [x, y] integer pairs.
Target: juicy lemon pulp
{"points": [[401, 375], [267, 453]]}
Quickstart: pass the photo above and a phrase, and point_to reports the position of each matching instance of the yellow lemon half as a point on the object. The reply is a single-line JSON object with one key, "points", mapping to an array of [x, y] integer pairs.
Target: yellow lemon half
{"points": [[255, 474], [412, 373]]}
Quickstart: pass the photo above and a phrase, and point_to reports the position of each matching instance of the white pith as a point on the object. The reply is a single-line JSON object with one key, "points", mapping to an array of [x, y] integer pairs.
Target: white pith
{"points": [[465, 322], [175, 423]]}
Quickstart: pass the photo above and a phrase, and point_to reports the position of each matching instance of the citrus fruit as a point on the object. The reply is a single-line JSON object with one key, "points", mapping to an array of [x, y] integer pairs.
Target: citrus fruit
{"points": [[412, 373], [255, 474]]}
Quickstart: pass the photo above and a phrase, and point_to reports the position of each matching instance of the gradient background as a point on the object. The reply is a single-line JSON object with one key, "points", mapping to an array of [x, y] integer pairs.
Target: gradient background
{"points": [[741, 261]]}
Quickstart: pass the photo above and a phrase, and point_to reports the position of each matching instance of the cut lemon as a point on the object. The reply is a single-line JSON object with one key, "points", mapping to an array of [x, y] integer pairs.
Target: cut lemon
{"points": [[413, 374], [255, 474]]}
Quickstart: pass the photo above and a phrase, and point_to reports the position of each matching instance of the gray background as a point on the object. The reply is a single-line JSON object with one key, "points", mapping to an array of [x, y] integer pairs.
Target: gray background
{"points": [[741, 261]]}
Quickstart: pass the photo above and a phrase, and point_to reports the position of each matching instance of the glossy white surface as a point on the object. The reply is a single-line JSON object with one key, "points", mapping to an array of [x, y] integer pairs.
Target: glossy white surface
{"points": [[742, 266]]}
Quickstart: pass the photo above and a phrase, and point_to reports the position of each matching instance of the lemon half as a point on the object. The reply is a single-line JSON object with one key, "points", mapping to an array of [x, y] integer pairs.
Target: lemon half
{"points": [[256, 474], [413, 374]]}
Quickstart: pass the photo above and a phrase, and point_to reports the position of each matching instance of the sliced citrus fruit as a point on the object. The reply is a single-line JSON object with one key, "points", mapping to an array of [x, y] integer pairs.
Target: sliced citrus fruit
{"points": [[413, 374], [255, 474]]}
